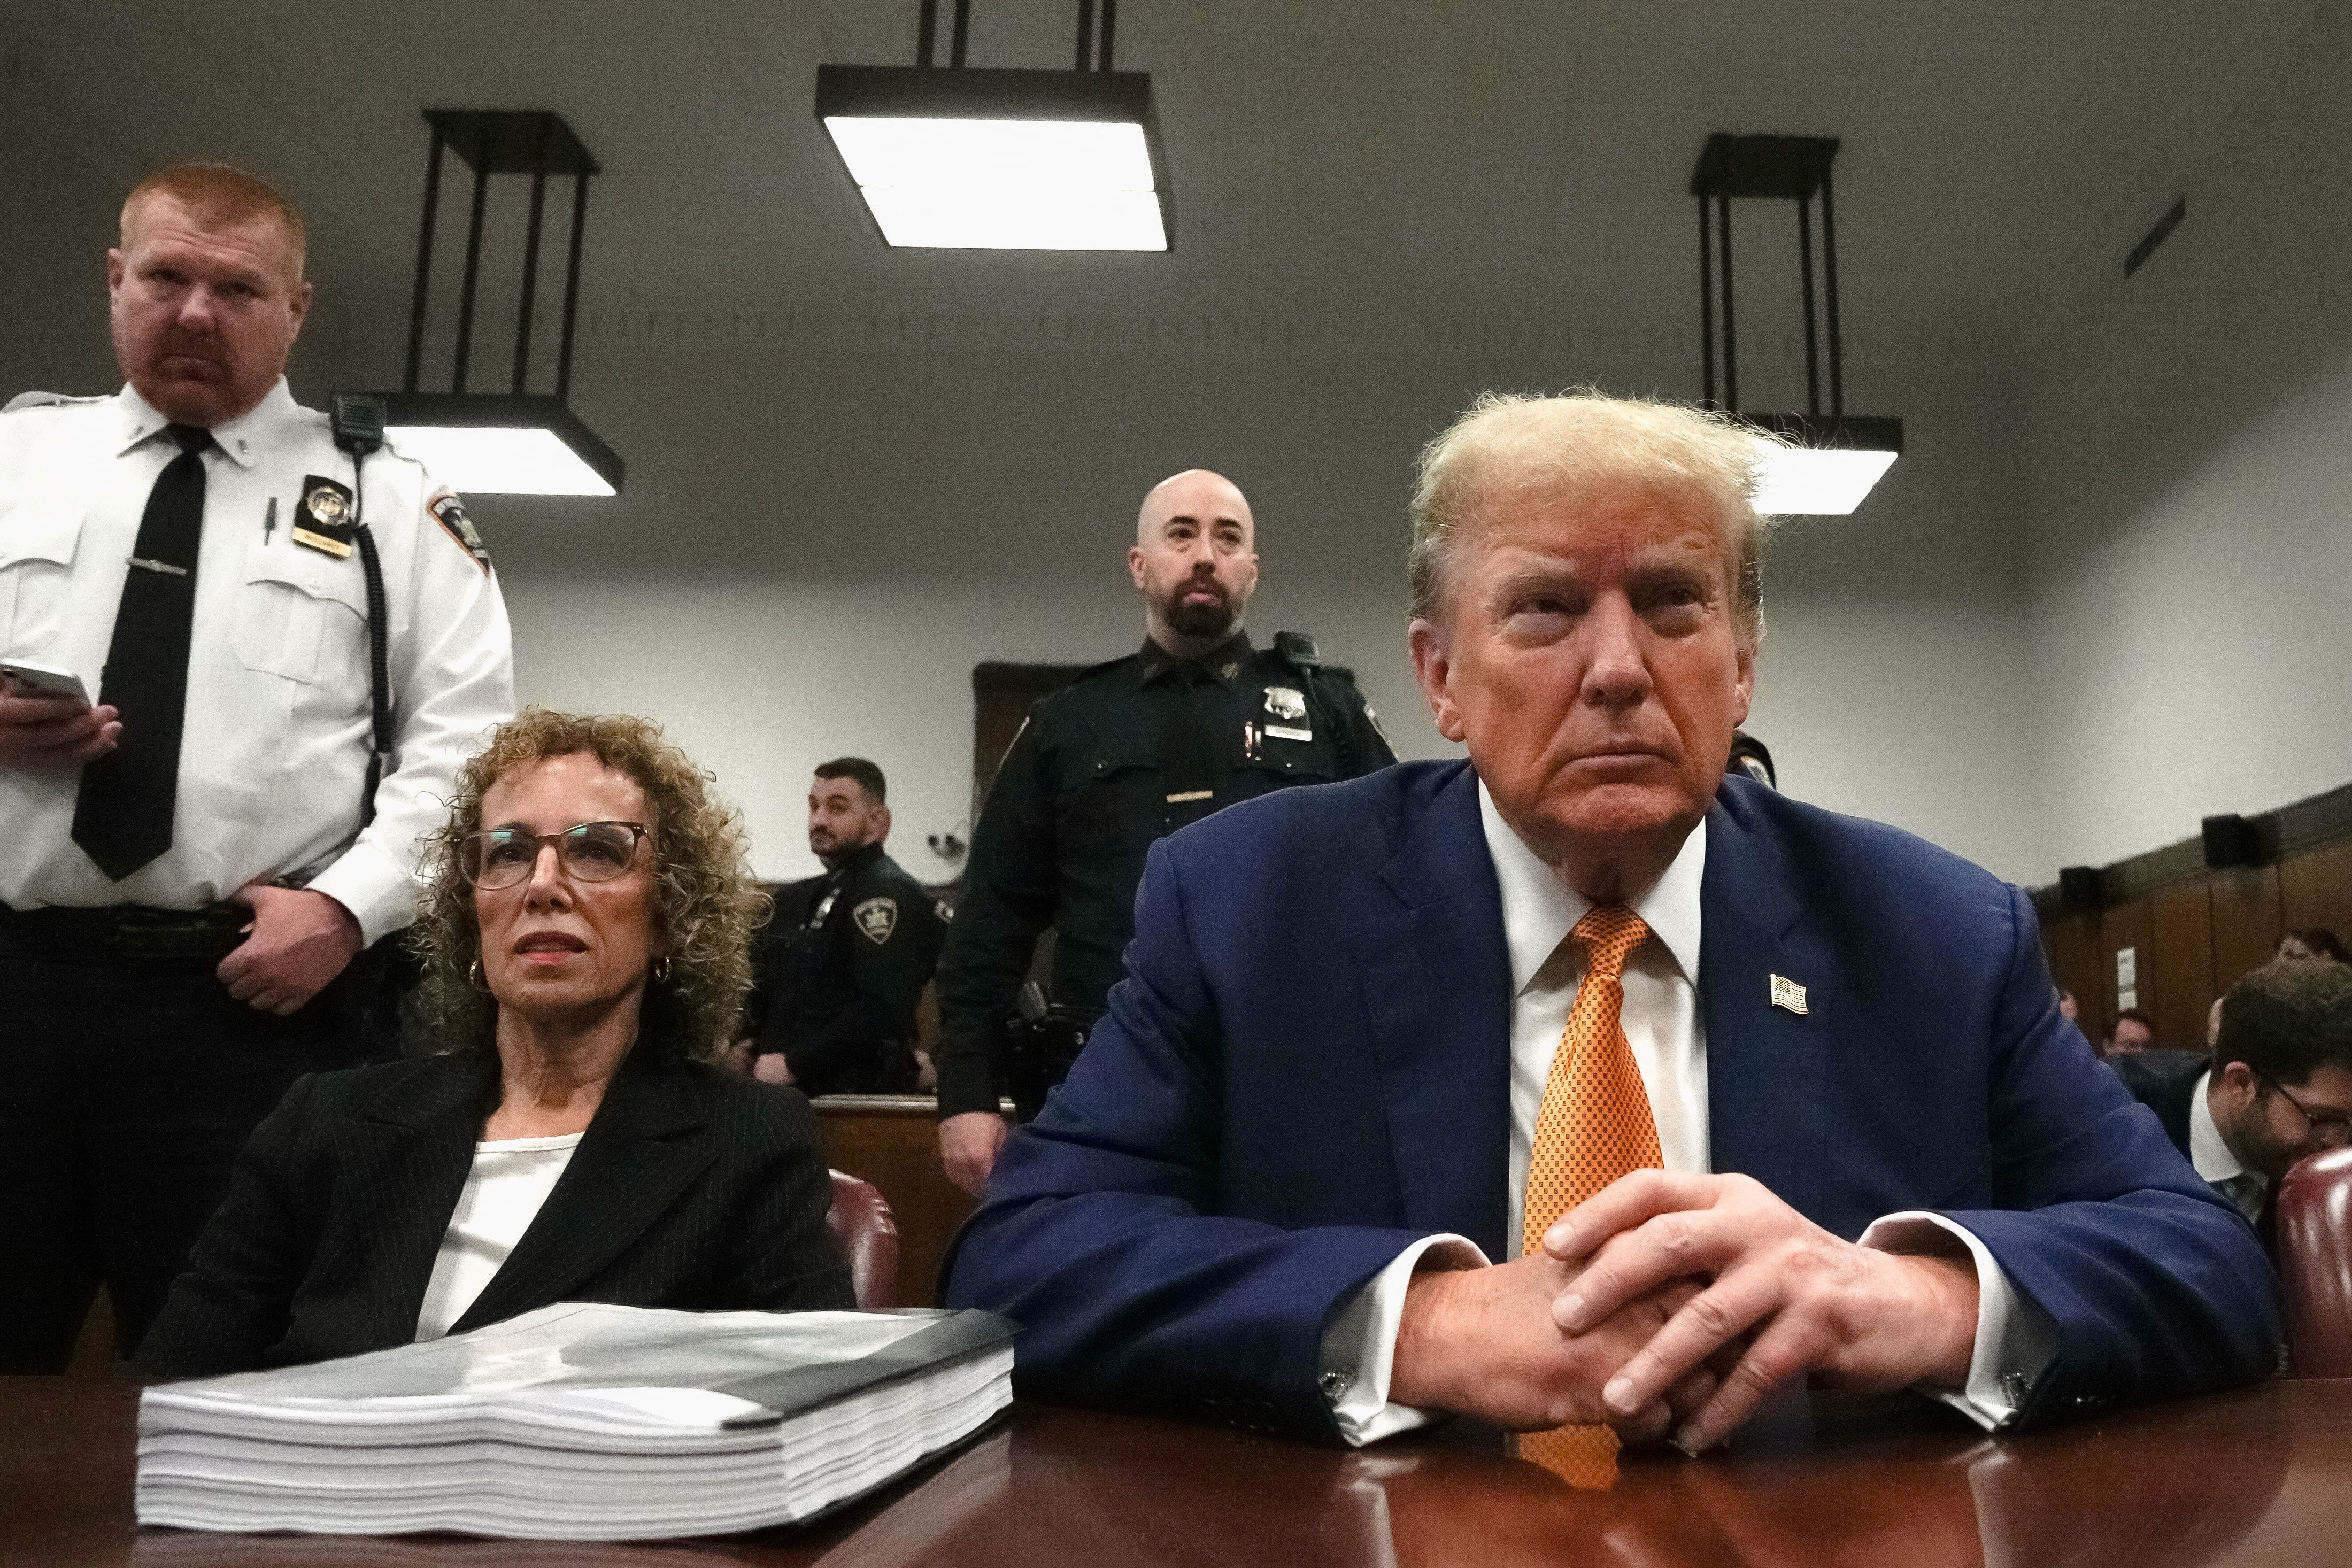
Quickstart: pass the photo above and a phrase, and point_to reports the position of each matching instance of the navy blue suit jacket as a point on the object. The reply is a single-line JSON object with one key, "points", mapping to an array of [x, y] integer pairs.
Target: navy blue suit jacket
{"points": [[1308, 1066]]}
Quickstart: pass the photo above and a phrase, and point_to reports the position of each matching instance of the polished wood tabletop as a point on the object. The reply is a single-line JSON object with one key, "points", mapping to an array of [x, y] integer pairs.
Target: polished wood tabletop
{"points": [[2262, 1477]]}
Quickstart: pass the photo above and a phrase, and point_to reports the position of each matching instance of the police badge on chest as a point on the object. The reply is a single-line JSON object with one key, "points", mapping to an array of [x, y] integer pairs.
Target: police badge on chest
{"points": [[1285, 714], [322, 518]]}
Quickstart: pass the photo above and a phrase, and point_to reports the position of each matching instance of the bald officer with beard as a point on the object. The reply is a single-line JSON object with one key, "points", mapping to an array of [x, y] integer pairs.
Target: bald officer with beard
{"points": [[1127, 753]]}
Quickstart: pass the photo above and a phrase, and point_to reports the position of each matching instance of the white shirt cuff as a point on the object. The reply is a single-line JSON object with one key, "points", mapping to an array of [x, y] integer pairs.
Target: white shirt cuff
{"points": [[381, 896], [1359, 1347], [2016, 1340]]}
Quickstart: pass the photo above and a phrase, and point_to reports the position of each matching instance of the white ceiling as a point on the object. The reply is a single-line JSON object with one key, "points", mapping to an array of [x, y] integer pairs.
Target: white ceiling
{"points": [[1506, 159]]}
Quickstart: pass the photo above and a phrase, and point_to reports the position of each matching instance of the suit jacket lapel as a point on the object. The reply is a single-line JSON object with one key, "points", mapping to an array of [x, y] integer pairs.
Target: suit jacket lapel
{"points": [[632, 1163], [420, 1137], [1437, 980], [1766, 1066]]}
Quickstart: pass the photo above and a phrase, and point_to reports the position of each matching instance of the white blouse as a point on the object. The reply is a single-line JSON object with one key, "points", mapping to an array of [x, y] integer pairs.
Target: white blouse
{"points": [[509, 1182]]}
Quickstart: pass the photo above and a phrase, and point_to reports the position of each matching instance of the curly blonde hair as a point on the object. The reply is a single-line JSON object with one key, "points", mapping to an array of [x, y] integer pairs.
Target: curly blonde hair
{"points": [[704, 903]]}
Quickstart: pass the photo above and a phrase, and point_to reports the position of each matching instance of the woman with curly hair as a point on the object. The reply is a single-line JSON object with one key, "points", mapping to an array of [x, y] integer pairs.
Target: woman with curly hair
{"points": [[585, 939]]}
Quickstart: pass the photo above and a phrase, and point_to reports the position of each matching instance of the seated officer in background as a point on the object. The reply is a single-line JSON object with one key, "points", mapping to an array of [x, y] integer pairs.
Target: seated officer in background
{"points": [[2276, 1090], [190, 867], [1130, 750], [848, 953]]}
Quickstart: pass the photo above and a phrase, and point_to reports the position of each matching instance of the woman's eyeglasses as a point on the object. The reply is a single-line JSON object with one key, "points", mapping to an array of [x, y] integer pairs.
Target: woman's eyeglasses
{"points": [[591, 852]]}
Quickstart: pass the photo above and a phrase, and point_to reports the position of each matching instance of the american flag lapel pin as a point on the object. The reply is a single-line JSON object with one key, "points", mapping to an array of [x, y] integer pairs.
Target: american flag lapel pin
{"points": [[1787, 993]]}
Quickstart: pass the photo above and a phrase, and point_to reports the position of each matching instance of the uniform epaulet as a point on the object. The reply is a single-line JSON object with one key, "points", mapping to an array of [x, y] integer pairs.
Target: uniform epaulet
{"points": [[45, 400]]}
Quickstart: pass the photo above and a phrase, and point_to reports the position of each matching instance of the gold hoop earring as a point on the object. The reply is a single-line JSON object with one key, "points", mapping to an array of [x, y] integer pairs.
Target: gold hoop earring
{"points": [[661, 969]]}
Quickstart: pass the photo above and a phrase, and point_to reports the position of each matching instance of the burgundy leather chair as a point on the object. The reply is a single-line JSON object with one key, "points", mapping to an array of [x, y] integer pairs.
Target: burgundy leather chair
{"points": [[2315, 1263], [861, 1222]]}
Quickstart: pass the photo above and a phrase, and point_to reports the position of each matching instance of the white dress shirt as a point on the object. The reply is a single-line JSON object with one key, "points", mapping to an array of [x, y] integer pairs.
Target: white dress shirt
{"points": [[504, 1193], [1668, 1038], [274, 751], [2209, 1153]]}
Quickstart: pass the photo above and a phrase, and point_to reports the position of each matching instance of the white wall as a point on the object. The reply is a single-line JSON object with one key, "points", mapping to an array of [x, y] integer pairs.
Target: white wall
{"points": [[2190, 458]]}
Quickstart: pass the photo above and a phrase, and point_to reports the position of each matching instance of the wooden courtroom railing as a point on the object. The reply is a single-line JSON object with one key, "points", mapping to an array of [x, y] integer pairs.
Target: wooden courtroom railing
{"points": [[2197, 929]]}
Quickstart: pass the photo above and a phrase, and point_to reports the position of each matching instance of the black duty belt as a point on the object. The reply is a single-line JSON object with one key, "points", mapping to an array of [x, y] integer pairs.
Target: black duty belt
{"points": [[126, 933]]}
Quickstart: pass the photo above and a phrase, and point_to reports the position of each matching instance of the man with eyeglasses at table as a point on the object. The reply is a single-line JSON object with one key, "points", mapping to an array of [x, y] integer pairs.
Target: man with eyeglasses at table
{"points": [[2276, 1090]]}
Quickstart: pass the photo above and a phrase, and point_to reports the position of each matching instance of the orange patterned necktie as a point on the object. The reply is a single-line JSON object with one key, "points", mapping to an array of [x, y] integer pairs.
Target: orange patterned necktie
{"points": [[1595, 1126]]}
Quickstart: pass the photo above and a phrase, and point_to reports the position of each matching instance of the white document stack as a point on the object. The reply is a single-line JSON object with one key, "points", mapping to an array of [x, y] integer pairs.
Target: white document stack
{"points": [[577, 1422]]}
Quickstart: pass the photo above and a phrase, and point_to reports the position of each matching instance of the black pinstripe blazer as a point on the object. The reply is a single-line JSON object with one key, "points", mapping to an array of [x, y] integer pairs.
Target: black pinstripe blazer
{"points": [[692, 1189]]}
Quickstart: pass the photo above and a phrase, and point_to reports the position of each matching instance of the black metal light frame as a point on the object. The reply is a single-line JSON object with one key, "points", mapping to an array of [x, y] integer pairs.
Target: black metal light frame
{"points": [[536, 142], [1091, 91], [1778, 168]]}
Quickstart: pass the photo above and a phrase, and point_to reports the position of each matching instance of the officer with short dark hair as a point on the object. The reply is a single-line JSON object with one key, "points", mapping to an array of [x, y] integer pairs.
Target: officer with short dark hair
{"points": [[848, 953], [1129, 751]]}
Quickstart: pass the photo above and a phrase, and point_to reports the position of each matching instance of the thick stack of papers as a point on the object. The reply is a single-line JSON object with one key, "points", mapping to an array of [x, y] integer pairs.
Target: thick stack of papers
{"points": [[577, 1422]]}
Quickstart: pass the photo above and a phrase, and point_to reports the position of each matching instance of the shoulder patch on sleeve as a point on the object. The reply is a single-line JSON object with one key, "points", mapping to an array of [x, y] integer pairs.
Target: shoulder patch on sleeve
{"points": [[876, 919], [449, 511]]}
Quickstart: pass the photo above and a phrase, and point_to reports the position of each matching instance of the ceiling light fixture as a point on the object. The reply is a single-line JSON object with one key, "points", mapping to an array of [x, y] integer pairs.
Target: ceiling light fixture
{"points": [[1832, 458], [1004, 160], [516, 442]]}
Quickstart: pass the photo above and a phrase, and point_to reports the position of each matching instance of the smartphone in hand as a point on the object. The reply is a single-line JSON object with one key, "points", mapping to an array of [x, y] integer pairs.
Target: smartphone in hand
{"points": [[23, 678]]}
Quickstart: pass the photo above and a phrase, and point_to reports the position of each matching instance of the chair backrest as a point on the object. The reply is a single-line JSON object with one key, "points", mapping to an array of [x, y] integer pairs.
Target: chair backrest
{"points": [[2315, 1263], [862, 1223]]}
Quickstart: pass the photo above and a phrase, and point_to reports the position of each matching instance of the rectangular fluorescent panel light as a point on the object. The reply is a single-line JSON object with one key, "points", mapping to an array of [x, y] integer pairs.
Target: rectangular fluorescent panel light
{"points": [[494, 443], [1833, 464], [1002, 159]]}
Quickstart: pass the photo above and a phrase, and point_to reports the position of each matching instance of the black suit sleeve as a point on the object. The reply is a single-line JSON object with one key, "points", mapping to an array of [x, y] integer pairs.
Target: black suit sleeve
{"points": [[783, 1255], [234, 1300], [1009, 887]]}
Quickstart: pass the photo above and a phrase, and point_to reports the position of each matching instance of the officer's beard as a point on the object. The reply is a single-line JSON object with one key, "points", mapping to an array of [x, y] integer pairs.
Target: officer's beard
{"points": [[1187, 618]]}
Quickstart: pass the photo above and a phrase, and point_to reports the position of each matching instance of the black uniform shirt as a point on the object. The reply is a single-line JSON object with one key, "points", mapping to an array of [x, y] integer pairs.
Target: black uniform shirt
{"points": [[849, 954], [1129, 751]]}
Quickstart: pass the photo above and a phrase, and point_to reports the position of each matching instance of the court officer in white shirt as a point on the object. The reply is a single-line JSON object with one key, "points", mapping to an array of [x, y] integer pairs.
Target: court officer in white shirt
{"points": [[190, 866]]}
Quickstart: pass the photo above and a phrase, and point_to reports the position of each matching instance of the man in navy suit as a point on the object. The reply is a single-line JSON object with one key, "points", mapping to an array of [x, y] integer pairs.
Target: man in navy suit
{"points": [[1286, 1183]]}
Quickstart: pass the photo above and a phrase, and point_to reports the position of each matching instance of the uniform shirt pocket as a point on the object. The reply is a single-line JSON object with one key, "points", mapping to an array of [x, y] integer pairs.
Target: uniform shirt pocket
{"points": [[1111, 792], [305, 621], [37, 555]]}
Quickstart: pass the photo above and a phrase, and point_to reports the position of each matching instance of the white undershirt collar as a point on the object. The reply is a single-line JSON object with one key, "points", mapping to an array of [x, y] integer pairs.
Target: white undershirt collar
{"points": [[1539, 909], [2208, 1150]]}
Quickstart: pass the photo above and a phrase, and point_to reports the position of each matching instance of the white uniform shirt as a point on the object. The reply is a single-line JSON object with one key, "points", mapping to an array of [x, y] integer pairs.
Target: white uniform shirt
{"points": [[1667, 1034], [274, 751], [504, 1193]]}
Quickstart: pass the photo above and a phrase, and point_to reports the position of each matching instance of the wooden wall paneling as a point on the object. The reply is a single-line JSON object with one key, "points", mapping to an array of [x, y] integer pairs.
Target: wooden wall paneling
{"points": [[2177, 987], [2125, 925], [2315, 888], [2246, 920], [2071, 942]]}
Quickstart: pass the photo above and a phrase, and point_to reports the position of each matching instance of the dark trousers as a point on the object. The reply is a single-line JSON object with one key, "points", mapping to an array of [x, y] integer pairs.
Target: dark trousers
{"points": [[126, 1091]]}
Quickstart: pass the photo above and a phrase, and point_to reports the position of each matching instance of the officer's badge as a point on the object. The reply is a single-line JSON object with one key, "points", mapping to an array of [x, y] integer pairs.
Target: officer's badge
{"points": [[876, 917], [322, 518], [450, 513], [1285, 714], [823, 908]]}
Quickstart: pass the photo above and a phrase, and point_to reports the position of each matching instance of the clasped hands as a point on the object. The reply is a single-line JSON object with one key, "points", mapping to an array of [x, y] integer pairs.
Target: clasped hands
{"points": [[1672, 1304]]}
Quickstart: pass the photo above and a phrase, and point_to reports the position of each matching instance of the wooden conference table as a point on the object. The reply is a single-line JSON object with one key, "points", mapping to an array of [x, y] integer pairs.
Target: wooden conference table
{"points": [[2262, 1477]]}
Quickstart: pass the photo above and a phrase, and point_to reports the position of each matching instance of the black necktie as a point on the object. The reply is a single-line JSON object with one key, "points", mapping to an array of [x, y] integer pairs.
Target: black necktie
{"points": [[122, 817]]}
